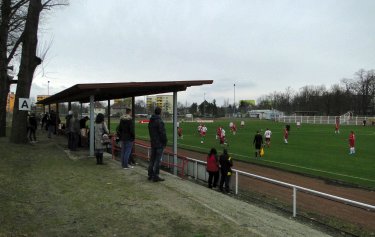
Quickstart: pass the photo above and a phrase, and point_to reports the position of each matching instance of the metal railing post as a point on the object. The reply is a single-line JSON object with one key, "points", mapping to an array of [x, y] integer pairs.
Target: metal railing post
{"points": [[236, 182], [294, 201], [196, 170]]}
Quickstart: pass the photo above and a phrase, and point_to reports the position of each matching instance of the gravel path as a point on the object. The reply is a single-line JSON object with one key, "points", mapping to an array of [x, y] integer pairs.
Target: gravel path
{"points": [[246, 217]]}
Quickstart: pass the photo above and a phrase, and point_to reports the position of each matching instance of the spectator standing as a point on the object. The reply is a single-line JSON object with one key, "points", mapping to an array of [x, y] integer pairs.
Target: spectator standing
{"points": [[125, 132], [74, 131], [258, 142], [68, 132], [226, 171], [82, 128], [33, 124], [100, 128], [51, 123], [351, 143], [158, 138], [212, 168], [44, 121], [267, 135]]}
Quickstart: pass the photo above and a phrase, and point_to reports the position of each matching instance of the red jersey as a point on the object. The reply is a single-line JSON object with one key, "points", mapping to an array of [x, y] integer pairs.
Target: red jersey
{"points": [[179, 131], [351, 140], [218, 131], [286, 133]]}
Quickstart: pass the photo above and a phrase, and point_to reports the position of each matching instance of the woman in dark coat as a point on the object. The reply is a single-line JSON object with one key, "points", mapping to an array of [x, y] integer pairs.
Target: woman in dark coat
{"points": [[100, 128]]}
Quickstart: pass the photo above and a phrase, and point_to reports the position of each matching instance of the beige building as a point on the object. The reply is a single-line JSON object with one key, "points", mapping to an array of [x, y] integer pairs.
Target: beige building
{"points": [[165, 102], [10, 102]]}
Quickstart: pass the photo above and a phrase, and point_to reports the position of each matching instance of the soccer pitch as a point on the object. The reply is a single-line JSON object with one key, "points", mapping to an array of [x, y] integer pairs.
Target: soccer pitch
{"points": [[312, 149]]}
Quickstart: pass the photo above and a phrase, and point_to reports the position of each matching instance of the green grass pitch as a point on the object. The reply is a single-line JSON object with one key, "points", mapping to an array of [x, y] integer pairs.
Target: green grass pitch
{"points": [[312, 149]]}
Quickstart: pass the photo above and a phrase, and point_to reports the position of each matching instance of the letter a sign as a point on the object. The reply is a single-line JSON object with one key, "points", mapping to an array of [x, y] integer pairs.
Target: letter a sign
{"points": [[24, 104]]}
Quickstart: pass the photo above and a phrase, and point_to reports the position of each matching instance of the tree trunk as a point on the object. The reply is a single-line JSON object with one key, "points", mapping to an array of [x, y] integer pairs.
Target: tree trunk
{"points": [[4, 85], [29, 62]]}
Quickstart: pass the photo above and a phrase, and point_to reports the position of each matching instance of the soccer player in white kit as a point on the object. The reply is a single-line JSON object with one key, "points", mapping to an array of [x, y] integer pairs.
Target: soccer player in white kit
{"points": [[267, 135]]}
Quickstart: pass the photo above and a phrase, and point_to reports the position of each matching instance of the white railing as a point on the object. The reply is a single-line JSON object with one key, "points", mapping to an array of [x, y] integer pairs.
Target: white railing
{"points": [[195, 174], [344, 120]]}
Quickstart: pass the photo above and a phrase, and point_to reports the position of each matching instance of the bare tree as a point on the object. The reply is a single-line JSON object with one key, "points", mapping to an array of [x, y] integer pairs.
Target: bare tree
{"points": [[11, 28], [29, 62]]}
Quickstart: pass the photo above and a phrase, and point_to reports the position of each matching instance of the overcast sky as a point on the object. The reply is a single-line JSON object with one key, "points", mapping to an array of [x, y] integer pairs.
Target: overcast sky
{"points": [[261, 46]]}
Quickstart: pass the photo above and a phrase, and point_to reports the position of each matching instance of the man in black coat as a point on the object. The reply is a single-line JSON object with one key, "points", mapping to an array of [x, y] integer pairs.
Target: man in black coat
{"points": [[125, 132], [158, 138], [258, 142]]}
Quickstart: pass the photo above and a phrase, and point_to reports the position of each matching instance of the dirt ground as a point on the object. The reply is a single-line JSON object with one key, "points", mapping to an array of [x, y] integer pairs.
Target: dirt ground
{"points": [[342, 216], [175, 207]]}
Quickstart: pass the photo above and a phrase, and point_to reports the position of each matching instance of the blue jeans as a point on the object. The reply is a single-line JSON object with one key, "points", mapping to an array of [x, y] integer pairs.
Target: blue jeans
{"points": [[154, 166], [51, 129], [126, 150]]}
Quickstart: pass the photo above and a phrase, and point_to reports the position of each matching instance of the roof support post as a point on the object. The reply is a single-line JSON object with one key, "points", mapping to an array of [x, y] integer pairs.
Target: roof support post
{"points": [[81, 109], [133, 121], [92, 126], [109, 116], [58, 118], [175, 132]]}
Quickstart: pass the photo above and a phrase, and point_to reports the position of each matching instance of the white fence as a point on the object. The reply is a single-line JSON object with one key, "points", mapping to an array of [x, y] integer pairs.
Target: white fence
{"points": [[344, 120], [197, 169]]}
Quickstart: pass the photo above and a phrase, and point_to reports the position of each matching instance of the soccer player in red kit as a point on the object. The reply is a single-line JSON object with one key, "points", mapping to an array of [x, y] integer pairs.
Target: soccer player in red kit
{"points": [[218, 132], [337, 125], [233, 128], [286, 135], [351, 143], [179, 133]]}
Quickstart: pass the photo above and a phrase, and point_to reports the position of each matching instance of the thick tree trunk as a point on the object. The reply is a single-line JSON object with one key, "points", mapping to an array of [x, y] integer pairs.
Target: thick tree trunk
{"points": [[4, 85], [29, 62]]}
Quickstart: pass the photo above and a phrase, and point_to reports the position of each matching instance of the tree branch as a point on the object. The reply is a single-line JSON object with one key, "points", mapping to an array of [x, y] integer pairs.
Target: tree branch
{"points": [[15, 48]]}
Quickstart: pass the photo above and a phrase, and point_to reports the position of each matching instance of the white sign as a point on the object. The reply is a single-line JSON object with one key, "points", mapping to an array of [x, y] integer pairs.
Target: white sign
{"points": [[24, 104]]}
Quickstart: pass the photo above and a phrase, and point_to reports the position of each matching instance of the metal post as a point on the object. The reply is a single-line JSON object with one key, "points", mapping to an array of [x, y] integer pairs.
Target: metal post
{"points": [[92, 125], [294, 201], [236, 182], [234, 100], [196, 170], [109, 115], [175, 132], [204, 105]]}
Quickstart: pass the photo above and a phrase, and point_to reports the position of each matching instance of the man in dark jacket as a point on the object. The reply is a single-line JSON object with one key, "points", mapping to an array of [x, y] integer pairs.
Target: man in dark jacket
{"points": [[125, 131], [226, 163], [258, 142], [32, 128], [158, 138]]}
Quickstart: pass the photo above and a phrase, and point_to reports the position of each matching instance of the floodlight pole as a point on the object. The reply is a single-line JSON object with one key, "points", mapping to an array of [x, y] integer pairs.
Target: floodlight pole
{"points": [[234, 99], [48, 88], [204, 104]]}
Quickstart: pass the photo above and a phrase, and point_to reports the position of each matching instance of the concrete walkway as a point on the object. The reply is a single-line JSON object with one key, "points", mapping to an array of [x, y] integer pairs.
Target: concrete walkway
{"points": [[244, 215]]}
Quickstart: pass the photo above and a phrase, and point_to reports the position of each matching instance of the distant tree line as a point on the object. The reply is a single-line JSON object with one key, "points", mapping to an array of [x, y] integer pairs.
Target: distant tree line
{"points": [[356, 94]]}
